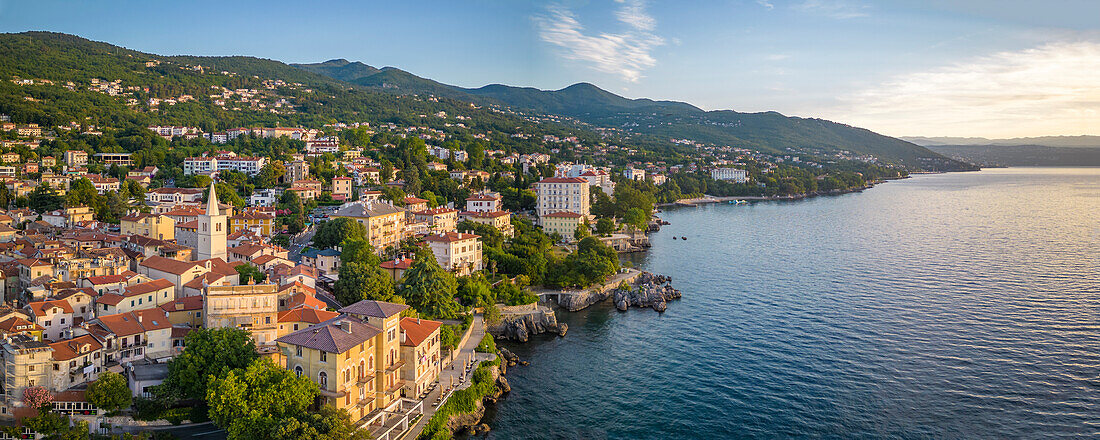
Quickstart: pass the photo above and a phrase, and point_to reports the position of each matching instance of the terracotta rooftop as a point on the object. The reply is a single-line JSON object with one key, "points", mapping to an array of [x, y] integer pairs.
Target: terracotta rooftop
{"points": [[417, 330], [73, 348], [306, 314], [450, 237]]}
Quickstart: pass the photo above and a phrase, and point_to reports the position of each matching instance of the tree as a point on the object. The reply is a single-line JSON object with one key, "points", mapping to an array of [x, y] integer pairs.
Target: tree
{"points": [[249, 272], [636, 218], [209, 353], [428, 288], [328, 423], [605, 226], [269, 175], [581, 232], [44, 199], [81, 193], [37, 396], [260, 389], [109, 392], [336, 231]]}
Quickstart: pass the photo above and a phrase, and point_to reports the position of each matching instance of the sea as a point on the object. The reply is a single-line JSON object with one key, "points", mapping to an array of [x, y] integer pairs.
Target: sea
{"points": [[943, 306]]}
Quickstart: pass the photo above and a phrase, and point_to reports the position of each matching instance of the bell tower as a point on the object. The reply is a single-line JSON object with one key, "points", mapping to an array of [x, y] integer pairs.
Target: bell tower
{"points": [[212, 229]]}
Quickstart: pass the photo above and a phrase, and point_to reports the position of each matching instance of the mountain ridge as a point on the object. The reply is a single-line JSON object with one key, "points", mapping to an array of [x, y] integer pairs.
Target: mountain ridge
{"points": [[769, 131]]}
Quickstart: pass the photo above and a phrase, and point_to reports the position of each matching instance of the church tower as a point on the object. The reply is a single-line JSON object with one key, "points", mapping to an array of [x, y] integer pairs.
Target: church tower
{"points": [[212, 230]]}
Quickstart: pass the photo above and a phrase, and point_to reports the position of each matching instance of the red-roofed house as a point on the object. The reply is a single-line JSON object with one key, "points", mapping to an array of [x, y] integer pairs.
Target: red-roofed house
{"points": [[420, 351], [56, 316]]}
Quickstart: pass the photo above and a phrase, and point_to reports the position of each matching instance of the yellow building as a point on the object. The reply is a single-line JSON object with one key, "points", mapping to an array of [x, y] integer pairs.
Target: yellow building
{"points": [[564, 223], [341, 186], [185, 310], [16, 325], [420, 350], [439, 219], [502, 220], [385, 223], [261, 222], [253, 307], [160, 227], [302, 317], [354, 358]]}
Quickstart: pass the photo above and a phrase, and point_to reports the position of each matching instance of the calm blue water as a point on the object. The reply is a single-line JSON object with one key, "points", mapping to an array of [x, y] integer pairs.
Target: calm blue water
{"points": [[943, 306]]}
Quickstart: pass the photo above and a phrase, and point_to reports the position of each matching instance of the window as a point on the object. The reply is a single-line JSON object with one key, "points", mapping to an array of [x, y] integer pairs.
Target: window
{"points": [[298, 351], [298, 369], [324, 356], [323, 378]]}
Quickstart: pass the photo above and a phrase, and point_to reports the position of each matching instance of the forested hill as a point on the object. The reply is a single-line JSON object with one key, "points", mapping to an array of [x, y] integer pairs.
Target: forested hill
{"points": [[342, 91], [768, 131], [57, 79]]}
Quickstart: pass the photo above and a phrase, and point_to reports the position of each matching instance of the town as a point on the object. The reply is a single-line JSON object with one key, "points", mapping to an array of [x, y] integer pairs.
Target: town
{"points": [[351, 260]]}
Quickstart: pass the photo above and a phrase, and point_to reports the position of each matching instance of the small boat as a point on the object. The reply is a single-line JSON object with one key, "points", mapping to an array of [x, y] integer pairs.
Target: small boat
{"points": [[684, 238], [673, 237]]}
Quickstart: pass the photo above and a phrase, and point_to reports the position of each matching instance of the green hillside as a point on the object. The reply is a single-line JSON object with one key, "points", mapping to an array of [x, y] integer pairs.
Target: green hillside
{"points": [[767, 132]]}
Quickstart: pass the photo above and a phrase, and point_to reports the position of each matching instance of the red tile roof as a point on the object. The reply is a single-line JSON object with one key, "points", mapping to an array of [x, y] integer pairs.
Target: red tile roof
{"points": [[417, 330], [306, 314]]}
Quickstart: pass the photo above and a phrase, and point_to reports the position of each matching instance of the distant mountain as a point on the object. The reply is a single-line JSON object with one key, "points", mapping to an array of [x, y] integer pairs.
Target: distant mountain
{"points": [[340, 69], [768, 131], [1045, 141], [1021, 155]]}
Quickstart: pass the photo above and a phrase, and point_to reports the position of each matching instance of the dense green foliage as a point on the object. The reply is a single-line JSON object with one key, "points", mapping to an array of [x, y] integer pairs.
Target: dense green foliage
{"points": [[361, 277], [333, 232], [109, 392], [487, 345], [210, 353], [429, 289]]}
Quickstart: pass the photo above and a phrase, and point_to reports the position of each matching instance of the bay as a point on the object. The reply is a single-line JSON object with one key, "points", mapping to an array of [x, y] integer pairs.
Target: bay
{"points": [[963, 305]]}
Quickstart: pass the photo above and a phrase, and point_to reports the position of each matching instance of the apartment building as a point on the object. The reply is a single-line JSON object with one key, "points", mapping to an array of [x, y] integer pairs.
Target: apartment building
{"points": [[562, 194]]}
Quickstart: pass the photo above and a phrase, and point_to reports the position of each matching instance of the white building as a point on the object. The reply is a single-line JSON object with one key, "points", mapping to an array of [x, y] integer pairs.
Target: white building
{"points": [[558, 194], [207, 165], [634, 173], [457, 252], [731, 174]]}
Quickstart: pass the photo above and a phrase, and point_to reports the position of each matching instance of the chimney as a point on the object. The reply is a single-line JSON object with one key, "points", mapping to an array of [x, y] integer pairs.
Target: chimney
{"points": [[345, 325]]}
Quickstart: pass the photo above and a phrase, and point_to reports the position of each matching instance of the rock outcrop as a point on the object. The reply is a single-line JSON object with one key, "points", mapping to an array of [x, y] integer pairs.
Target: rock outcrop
{"points": [[648, 290], [471, 422], [583, 299], [521, 326]]}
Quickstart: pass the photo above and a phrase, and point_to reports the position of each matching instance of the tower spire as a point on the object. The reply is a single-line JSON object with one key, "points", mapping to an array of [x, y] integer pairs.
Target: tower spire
{"points": [[212, 202]]}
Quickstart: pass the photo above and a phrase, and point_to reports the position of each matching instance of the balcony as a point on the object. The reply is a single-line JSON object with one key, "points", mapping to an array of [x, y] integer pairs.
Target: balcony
{"points": [[395, 366], [366, 378], [396, 387]]}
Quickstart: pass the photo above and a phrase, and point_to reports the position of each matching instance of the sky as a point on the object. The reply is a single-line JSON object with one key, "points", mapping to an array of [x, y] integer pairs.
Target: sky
{"points": [[985, 68]]}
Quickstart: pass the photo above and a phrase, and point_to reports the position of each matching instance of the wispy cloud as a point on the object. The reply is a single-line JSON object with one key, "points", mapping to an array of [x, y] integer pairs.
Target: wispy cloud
{"points": [[838, 9], [626, 54], [766, 4], [1047, 90]]}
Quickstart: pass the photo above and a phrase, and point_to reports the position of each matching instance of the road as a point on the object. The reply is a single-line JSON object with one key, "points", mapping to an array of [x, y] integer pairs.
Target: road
{"points": [[300, 241]]}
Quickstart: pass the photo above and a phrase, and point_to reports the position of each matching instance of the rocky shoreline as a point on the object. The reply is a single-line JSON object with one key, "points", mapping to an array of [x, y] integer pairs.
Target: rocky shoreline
{"points": [[649, 290], [521, 326]]}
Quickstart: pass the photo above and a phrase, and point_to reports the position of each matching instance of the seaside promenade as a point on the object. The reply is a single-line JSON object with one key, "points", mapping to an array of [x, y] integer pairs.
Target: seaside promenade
{"points": [[455, 372]]}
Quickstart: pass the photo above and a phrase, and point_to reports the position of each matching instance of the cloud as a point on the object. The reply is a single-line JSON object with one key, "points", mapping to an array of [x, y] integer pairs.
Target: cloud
{"points": [[838, 9], [626, 54], [1048, 90], [766, 4]]}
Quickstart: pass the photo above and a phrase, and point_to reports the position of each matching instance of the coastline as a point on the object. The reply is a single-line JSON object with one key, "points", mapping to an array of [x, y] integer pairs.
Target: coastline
{"points": [[708, 199]]}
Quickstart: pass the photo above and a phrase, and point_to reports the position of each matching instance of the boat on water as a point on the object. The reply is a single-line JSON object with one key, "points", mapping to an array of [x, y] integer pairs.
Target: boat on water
{"points": [[739, 202], [684, 238]]}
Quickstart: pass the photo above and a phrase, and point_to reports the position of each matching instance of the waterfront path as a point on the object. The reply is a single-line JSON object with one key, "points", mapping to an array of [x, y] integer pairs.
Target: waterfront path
{"points": [[455, 372], [547, 294]]}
